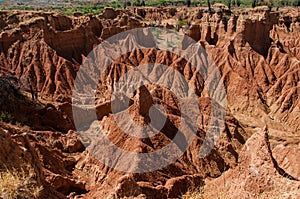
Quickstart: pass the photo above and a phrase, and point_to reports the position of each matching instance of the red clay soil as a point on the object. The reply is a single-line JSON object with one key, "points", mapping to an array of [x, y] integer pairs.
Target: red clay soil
{"points": [[257, 53]]}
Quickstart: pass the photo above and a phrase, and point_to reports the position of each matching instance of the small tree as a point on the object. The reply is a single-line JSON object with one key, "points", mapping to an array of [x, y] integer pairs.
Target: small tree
{"points": [[296, 3], [209, 6], [253, 3], [188, 3], [229, 4], [126, 3]]}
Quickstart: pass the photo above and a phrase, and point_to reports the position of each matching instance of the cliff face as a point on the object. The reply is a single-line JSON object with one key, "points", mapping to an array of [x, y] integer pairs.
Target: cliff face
{"points": [[252, 53], [258, 174], [51, 156], [48, 48], [257, 54]]}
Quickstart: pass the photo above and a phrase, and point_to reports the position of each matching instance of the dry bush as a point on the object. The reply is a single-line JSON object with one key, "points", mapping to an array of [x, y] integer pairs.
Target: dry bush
{"points": [[19, 184], [193, 194], [225, 194], [199, 194]]}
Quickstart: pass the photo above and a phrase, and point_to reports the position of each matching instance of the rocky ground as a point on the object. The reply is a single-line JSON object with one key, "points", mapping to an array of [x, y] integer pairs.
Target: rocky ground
{"points": [[256, 51]]}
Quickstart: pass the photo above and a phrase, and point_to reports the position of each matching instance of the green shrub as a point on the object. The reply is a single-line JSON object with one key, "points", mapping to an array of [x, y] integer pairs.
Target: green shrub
{"points": [[6, 117], [182, 22]]}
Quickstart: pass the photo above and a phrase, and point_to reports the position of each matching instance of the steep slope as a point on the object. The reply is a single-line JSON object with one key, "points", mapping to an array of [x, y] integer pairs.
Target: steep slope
{"points": [[258, 174]]}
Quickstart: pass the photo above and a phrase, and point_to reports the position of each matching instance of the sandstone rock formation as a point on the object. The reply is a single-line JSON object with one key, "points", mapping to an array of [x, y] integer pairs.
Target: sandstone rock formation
{"points": [[258, 174], [51, 155]]}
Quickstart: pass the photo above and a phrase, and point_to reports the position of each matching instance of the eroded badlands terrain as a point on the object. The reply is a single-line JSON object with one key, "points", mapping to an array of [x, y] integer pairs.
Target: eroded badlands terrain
{"points": [[257, 52]]}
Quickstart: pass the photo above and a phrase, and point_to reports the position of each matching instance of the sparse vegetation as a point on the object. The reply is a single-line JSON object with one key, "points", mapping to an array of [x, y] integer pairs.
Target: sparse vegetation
{"points": [[11, 99], [193, 194], [6, 117], [83, 7], [181, 23], [87, 8], [199, 194], [19, 184]]}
